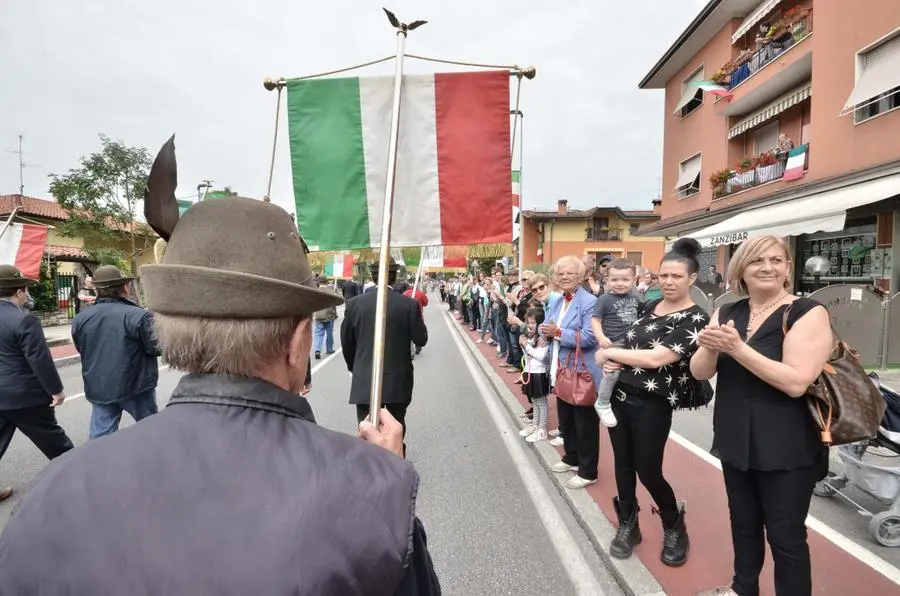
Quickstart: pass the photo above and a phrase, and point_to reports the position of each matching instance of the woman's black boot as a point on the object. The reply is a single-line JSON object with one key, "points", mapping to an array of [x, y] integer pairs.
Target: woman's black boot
{"points": [[676, 543], [629, 533]]}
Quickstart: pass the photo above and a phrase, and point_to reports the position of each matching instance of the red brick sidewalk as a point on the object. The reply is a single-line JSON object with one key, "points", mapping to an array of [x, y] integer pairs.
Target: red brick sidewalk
{"points": [[700, 484], [63, 351]]}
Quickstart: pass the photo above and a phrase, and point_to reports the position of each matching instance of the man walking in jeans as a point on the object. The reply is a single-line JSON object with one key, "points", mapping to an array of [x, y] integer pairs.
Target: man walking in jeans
{"points": [[118, 354]]}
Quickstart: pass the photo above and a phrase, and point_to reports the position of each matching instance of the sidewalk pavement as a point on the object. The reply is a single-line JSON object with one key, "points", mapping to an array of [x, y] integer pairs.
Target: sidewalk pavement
{"points": [[59, 338], [700, 484]]}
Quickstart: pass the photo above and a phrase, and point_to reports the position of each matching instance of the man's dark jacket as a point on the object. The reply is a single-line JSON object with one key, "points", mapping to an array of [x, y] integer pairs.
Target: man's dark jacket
{"points": [[231, 490], [28, 376], [118, 354], [404, 326]]}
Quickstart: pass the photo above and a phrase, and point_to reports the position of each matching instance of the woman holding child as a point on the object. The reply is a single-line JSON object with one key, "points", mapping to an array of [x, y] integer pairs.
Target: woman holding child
{"points": [[653, 378]]}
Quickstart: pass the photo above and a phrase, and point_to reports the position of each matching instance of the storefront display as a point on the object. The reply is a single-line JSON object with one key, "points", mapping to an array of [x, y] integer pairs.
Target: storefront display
{"points": [[853, 255]]}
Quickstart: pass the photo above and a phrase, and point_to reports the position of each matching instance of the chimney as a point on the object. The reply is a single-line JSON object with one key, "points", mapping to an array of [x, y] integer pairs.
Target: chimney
{"points": [[562, 206]]}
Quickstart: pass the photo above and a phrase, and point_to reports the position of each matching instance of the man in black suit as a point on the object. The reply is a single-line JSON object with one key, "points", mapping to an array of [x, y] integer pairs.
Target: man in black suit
{"points": [[404, 326], [30, 386]]}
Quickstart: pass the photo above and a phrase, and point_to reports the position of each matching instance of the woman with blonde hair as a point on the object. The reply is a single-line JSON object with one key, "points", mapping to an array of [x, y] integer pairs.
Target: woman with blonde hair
{"points": [[766, 350]]}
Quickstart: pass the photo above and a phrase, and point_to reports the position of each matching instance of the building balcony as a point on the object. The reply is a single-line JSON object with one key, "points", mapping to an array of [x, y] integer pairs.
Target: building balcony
{"points": [[758, 76], [593, 235], [752, 175]]}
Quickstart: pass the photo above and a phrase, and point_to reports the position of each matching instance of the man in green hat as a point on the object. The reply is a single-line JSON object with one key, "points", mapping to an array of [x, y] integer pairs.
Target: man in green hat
{"points": [[233, 488], [118, 354], [30, 386]]}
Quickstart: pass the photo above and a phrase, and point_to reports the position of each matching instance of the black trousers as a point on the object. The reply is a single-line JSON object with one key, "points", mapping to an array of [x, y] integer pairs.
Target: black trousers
{"points": [[38, 423], [398, 411], [639, 442], [776, 503], [579, 427]]}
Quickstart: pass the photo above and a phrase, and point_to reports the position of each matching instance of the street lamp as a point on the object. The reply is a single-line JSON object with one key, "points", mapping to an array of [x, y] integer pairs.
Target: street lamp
{"points": [[817, 266]]}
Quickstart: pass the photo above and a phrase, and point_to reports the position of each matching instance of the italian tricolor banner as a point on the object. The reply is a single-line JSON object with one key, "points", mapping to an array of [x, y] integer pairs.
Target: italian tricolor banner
{"points": [[341, 266], [796, 162], [453, 163], [440, 257], [714, 88], [517, 200], [23, 245]]}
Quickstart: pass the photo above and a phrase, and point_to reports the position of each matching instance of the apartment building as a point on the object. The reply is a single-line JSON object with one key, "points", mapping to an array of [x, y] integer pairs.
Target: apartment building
{"points": [[781, 118], [599, 231]]}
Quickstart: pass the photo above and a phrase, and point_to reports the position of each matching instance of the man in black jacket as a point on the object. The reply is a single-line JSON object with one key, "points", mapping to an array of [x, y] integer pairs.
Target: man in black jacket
{"points": [[30, 386], [118, 354], [232, 489], [405, 326]]}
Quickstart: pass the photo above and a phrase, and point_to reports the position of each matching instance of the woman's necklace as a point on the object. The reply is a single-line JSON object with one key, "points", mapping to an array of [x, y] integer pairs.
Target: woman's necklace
{"points": [[756, 314]]}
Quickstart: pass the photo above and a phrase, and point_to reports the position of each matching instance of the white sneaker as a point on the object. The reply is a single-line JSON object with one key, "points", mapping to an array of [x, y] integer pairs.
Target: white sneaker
{"points": [[562, 467], [538, 435], [577, 482], [527, 430], [554, 432], [606, 415], [557, 441], [477, 341]]}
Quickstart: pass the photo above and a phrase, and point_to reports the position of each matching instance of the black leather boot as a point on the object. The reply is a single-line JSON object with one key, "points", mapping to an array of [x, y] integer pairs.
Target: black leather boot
{"points": [[629, 533], [676, 543]]}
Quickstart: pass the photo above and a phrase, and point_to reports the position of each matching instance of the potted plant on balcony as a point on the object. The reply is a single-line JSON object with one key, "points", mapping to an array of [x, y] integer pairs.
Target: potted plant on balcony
{"points": [[767, 167], [746, 171], [718, 182]]}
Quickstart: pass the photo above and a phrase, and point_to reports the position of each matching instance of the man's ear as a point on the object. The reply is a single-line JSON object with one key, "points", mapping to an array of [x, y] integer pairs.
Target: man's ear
{"points": [[301, 342]]}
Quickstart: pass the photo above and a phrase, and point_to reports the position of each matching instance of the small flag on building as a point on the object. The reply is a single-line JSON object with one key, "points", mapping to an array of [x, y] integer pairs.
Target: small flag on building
{"points": [[340, 267], [23, 245], [714, 88], [796, 162]]}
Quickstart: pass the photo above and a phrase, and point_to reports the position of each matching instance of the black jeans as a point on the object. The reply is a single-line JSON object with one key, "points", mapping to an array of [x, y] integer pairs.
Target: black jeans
{"points": [[776, 502], [639, 442], [38, 423], [580, 430], [514, 350]]}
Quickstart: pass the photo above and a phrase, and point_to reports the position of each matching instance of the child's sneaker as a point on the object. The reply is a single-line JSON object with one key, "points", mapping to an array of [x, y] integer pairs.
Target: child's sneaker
{"points": [[527, 430], [606, 415], [557, 441], [538, 435]]}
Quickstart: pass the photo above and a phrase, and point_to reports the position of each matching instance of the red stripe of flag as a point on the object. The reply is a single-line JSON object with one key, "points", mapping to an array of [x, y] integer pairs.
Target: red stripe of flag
{"points": [[31, 250], [472, 118], [348, 266]]}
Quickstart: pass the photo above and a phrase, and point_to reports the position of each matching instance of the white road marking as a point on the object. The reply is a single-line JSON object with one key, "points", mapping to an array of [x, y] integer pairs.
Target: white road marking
{"points": [[166, 367], [858, 552], [563, 542]]}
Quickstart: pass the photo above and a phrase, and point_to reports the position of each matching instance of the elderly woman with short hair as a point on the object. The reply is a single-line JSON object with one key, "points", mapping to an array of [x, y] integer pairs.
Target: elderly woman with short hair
{"points": [[568, 319]]}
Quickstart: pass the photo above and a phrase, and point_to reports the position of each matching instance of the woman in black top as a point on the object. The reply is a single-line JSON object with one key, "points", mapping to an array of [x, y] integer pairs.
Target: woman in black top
{"points": [[771, 452], [655, 378]]}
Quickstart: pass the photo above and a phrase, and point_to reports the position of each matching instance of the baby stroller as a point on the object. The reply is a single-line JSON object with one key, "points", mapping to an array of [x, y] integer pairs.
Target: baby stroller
{"points": [[880, 481]]}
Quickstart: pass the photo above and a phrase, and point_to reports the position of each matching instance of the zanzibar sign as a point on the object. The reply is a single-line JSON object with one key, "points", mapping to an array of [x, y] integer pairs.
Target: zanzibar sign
{"points": [[732, 238]]}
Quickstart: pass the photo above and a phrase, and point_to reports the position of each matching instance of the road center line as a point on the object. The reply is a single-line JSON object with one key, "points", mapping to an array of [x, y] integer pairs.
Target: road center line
{"points": [[570, 555], [858, 552]]}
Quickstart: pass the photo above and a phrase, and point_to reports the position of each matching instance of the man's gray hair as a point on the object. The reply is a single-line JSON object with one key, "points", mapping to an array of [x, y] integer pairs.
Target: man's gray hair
{"points": [[241, 347]]}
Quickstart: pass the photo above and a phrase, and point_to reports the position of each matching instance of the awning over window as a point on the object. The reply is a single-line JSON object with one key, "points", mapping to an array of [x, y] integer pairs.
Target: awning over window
{"points": [[755, 17], [880, 73], [778, 106], [820, 212], [690, 91], [690, 169]]}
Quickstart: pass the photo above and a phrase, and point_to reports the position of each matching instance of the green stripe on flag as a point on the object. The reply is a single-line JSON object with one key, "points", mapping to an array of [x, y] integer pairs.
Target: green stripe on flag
{"points": [[516, 176], [325, 130], [184, 205]]}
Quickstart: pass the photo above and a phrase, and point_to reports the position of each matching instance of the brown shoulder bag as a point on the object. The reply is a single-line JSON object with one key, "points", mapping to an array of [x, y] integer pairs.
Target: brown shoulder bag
{"points": [[844, 402], [575, 386]]}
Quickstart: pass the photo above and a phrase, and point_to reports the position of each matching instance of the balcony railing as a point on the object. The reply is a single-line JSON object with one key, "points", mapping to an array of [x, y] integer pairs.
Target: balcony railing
{"points": [[748, 64], [740, 181], [592, 235]]}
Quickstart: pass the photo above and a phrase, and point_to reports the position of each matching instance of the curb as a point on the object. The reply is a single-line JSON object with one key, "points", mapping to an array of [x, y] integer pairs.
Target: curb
{"points": [[67, 360], [631, 574]]}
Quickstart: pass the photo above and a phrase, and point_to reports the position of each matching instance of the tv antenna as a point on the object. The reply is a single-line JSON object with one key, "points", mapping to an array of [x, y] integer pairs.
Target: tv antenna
{"points": [[22, 166]]}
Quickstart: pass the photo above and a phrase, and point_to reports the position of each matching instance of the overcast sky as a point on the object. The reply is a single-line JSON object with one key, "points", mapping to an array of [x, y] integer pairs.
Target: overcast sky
{"points": [[140, 70]]}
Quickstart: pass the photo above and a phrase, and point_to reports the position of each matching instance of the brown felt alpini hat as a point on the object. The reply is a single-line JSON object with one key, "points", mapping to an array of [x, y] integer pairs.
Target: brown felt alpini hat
{"points": [[11, 278], [229, 258], [109, 276]]}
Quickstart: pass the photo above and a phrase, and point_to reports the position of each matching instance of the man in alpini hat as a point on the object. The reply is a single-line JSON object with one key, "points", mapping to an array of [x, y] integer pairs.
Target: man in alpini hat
{"points": [[232, 489], [118, 354], [30, 386]]}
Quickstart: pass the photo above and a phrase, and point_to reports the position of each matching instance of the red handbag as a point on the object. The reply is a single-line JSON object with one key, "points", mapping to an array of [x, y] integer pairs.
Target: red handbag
{"points": [[573, 386]]}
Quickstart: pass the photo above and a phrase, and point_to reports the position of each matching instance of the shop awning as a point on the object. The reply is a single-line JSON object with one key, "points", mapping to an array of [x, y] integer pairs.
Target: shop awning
{"points": [[778, 106], [689, 172], [880, 74], [755, 17], [820, 212]]}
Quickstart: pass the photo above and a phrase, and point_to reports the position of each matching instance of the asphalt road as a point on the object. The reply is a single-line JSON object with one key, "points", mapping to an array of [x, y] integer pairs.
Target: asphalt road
{"points": [[479, 508]]}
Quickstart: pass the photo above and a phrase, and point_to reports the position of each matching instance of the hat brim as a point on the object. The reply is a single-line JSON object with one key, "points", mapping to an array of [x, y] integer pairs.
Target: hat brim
{"points": [[19, 282], [192, 291], [113, 283]]}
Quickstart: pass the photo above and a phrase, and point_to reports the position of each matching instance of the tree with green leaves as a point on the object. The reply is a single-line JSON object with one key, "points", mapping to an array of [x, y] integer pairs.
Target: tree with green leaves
{"points": [[101, 195]]}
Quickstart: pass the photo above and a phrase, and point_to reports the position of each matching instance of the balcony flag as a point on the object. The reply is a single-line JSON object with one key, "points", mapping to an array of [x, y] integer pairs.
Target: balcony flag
{"points": [[714, 88], [796, 161], [452, 182], [23, 245]]}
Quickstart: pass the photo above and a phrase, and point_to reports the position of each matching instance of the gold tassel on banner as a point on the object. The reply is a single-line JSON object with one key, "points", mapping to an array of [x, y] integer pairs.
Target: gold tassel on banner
{"points": [[486, 251]]}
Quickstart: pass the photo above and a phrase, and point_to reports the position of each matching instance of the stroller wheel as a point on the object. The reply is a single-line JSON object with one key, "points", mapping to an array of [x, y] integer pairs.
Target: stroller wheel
{"points": [[885, 528]]}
